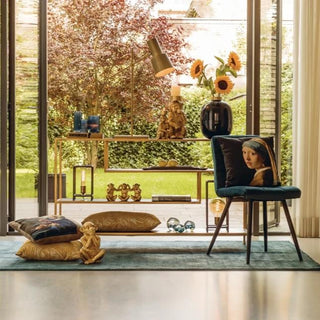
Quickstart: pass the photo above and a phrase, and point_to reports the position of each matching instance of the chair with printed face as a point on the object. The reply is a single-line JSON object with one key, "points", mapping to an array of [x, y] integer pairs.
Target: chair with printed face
{"points": [[237, 179]]}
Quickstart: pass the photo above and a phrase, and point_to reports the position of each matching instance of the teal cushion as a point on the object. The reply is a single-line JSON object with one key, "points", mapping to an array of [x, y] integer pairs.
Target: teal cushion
{"points": [[237, 172], [221, 179], [261, 193], [47, 229]]}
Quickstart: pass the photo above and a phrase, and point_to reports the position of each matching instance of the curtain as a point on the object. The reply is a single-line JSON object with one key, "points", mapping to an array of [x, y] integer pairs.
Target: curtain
{"points": [[306, 117]]}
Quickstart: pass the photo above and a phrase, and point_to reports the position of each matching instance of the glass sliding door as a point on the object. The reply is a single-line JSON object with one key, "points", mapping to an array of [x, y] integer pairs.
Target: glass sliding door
{"points": [[276, 91], [286, 91], [265, 112], [270, 95], [212, 28], [3, 118], [26, 111]]}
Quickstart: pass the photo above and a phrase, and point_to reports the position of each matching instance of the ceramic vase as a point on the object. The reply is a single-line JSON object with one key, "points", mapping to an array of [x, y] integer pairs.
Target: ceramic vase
{"points": [[216, 118]]}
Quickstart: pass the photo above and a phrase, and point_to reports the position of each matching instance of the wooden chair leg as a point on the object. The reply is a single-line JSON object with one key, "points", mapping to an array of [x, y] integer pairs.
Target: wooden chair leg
{"points": [[249, 231], [219, 225], [291, 227], [265, 226]]}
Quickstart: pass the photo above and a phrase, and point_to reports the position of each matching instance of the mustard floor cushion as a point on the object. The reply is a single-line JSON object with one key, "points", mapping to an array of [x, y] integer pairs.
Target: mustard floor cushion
{"points": [[54, 251], [123, 221]]}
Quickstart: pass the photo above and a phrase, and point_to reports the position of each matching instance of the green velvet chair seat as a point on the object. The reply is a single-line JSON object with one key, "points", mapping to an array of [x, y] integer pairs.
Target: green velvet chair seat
{"points": [[260, 193]]}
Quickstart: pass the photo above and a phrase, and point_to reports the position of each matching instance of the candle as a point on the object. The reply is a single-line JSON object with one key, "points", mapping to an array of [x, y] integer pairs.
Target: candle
{"points": [[84, 125], [175, 91], [83, 178], [77, 116]]}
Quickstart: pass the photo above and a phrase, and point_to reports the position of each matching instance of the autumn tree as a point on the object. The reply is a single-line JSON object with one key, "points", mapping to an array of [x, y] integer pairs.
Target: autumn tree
{"points": [[89, 51]]}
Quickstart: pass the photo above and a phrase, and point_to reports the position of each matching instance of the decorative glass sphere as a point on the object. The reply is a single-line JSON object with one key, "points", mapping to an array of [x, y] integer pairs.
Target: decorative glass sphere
{"points": [[216, 206], [179, 228], [172, 222], [189, 226]]}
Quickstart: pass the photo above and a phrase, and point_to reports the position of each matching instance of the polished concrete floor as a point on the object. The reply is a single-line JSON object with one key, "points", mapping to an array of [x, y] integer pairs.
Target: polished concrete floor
{"points": [[122, 295]]}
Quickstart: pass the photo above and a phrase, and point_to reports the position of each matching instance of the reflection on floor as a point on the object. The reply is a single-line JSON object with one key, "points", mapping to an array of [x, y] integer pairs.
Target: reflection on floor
{"points": [[159, 295], [130, 295]]}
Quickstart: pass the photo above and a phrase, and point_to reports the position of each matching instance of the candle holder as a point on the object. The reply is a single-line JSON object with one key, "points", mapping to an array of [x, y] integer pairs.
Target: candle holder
{"points": [[83, 172], [94, 124]]}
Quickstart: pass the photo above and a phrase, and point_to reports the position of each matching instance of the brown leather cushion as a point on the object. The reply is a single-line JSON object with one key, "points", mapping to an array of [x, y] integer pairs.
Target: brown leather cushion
{"points": [[53, 251], [48, 229], [123, 221]]}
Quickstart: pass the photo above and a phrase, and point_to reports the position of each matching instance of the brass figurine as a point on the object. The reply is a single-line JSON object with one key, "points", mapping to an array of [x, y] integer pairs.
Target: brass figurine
{"points": [[176, 120], [110, 192], [172, 163], [163, 129], [162, 163], [137, 192], [124, 188], [90, 251], [169, 163]]}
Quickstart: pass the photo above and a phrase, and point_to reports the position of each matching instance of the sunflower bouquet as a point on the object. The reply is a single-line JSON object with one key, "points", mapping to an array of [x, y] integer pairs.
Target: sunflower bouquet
{"points": [[222, 83]]}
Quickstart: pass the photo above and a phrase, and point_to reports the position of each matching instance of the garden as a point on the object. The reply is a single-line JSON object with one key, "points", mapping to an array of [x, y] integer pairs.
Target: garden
{"points": [[84, 76]]}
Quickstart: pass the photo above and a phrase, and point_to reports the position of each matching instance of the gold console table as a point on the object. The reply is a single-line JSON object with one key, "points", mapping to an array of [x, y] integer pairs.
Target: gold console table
{"points": [[58, 168]]}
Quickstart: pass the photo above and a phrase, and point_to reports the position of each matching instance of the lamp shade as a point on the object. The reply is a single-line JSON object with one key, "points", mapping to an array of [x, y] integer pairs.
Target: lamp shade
{"points": [[160, 62]]}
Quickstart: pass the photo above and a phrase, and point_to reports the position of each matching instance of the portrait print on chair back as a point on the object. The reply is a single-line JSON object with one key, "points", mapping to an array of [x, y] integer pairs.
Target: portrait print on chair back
{"points": [[249, 161], [258, 155]]}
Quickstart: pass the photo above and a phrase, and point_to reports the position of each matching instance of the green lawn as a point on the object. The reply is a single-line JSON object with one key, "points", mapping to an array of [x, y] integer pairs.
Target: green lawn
{"points": [[150, 183]]}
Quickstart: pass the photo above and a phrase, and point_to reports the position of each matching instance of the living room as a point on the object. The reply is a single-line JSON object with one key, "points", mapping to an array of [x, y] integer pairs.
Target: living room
{"points": [[274, 94]]}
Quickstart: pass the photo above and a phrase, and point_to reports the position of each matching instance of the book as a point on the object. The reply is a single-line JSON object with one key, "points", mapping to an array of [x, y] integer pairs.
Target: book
{"points": [[93, 135], [191, 168], [97, 135], [131, 137], [171, 198], [76, 134]]}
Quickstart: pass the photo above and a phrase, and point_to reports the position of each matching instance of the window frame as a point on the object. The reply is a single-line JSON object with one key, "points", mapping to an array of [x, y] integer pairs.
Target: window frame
{"points": [[7, 208]]}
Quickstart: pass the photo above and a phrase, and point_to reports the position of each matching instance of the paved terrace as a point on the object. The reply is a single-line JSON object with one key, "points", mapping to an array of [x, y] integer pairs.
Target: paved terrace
{"points": [[195, 212]]}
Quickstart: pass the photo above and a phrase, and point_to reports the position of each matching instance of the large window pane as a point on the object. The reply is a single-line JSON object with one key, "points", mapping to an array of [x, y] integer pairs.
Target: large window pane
{"points": [[215, 28], [268, 88], [27, 39], [211, 29], [275, 112], [286, 94]]}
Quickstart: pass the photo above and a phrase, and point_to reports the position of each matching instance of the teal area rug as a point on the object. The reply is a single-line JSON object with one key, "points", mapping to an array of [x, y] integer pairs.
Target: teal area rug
{"points": [[171, 255]]}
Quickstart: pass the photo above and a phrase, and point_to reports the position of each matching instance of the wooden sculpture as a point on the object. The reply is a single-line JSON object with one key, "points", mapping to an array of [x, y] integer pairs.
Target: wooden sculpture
{"points": [[90, 251]]}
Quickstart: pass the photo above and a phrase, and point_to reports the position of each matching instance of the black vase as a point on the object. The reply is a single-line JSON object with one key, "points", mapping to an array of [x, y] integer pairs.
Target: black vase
{"points": [[216, 119]]}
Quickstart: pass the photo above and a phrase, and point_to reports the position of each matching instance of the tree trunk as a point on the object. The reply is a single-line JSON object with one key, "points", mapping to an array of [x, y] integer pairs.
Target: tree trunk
{"points": [[92, 153]]}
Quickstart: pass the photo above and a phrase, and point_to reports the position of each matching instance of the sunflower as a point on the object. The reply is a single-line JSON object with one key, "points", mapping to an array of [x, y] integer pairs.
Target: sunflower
{"points": [[196, 68], [223, 84], [234, 61]]}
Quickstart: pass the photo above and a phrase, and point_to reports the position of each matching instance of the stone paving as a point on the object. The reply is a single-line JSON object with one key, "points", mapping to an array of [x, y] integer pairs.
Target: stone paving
{"points": [[194, 212]]}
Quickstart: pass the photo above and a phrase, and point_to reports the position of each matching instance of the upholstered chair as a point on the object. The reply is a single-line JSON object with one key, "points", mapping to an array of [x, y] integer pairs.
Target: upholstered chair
{"points": [[232, 181]]}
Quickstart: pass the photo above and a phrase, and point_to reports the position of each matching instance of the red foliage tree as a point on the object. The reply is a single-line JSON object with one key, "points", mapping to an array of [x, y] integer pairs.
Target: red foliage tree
{"points": [[89, 54]]}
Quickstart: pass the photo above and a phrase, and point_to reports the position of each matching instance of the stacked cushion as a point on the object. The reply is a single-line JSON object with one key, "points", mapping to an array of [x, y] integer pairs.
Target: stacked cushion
{"points": [[54, 237], [50, 238]]}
